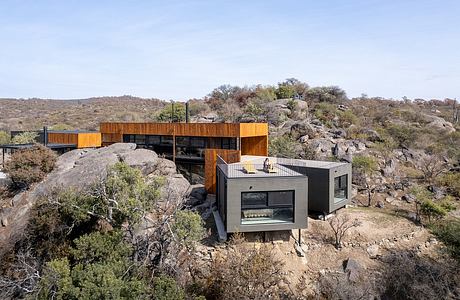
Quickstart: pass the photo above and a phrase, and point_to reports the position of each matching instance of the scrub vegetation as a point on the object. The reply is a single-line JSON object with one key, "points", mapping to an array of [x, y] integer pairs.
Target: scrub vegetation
{"points": [[124, 239]]}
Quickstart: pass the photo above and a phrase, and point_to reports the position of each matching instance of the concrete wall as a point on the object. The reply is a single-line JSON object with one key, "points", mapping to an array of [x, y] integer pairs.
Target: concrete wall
{"points": [[235, 186]]}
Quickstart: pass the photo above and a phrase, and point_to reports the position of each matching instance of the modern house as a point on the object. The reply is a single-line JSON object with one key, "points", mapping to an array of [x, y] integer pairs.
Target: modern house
{"points": [[192, 146], [268, 193], [253, 192]]}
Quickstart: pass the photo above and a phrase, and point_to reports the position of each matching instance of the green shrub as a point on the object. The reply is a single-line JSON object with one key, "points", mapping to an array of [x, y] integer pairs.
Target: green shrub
{"points": [[404, 135], [325, 112], [165, 114], [432, 210], [5, 137], [282, 146], [27, 137], [448, 231], [347, 118], [30, 165], [166, 288], [188, 227], [100, 268]]}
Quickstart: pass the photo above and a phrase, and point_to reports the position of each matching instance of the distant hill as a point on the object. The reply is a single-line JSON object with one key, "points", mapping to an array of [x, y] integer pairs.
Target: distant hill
{"points": [[28, 114]]}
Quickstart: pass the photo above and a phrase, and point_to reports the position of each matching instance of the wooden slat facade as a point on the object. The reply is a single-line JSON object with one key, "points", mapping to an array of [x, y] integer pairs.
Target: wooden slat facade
{"points": [[187, 129], [253, 139], [253, 129], [257, 145], [89, 140], [63, 138], [230, 156], [80, 139]]}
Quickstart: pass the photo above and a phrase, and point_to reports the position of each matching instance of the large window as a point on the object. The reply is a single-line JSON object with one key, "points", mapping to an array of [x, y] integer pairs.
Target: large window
{"points": [[161, 144], [190, 146], [267, 207], [340, 188]]}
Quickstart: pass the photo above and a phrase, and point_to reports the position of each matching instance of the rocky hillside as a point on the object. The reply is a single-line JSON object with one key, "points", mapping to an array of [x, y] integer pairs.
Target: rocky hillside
{"points": [[81, 169]]}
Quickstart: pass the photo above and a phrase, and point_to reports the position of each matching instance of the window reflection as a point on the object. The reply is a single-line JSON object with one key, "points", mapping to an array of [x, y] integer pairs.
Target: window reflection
{"points": [[267, 207]]}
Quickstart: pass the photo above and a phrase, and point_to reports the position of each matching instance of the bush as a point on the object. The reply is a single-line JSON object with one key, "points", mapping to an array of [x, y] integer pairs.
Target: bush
{"points": [[5, 138], [404, 135], [188, 227], [432, 210], [448, 231], [282, 146], [244, 272], [27, 137], [409, 276], [30, 165], [100, 268], [166, 288], [451, 180]]}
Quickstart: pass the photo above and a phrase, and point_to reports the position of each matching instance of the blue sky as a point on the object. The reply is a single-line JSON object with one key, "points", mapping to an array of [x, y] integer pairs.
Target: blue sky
{"points": [[183, 49]]}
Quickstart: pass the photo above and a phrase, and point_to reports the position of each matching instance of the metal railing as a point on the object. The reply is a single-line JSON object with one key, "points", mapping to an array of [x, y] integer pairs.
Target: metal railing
{"points": [[250, 169]]}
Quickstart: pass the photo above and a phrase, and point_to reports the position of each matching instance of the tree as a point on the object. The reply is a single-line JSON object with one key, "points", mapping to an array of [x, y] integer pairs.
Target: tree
{"points": [[404, 135], [109, 241], [408, 275], [433, 166], [30, 165], [167, 114], [340, 224], [27, 137], [331, 94], [364, 167], [5, 138], [188, 227], [230, 111], [290, 88]]}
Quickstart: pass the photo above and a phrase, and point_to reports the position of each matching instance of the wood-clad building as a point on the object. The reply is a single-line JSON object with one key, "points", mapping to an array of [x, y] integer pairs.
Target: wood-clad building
{"points": [[81, 139], [189, 145]]}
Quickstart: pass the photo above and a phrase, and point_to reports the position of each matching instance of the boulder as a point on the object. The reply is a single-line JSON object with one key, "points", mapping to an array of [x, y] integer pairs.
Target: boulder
{"points": [[373, 251], [338, 133], [143, 159], [372, 135], [440, 124], [390, 167], [164, 167], [300, 129], [198, 192], [353, 268], [409, 198], [304, 139], [5, 181]]}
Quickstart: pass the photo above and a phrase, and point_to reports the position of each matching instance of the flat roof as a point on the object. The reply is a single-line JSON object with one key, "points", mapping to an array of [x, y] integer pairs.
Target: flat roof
{"points": [[237, 170], [25, 146], [55, 131], [320, 164], [71, 131]]}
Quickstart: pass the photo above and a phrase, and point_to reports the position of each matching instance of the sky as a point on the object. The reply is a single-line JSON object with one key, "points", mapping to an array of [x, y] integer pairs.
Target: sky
{"points": [[184, 49]]}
